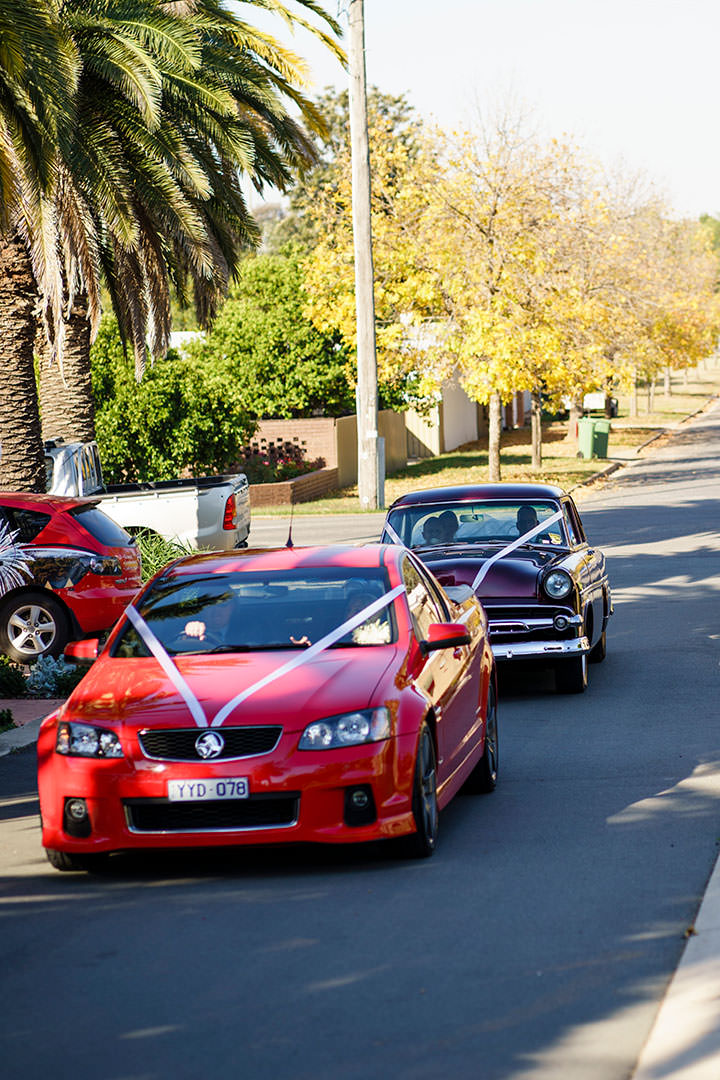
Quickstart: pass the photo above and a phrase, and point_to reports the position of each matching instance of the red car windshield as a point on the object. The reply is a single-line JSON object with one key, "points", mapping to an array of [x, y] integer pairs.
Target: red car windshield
{"points": [[436, 524], [253, 611]]}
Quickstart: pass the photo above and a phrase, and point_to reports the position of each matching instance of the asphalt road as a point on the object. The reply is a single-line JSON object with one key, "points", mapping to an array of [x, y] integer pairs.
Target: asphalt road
{"points": [[535, 945]]}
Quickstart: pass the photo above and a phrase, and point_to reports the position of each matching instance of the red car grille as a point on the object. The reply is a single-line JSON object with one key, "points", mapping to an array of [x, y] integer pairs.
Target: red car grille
{"points": [[178, 744], [257, 812]]}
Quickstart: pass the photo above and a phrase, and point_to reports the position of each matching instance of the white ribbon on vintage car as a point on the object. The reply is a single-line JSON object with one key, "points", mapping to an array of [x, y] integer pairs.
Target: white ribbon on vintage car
{"points": [[480, 576], [393, 535], [198, 713]]}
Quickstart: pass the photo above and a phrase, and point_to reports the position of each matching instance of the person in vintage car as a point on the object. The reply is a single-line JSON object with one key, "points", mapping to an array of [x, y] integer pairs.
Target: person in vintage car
{"points": [[305, 694], [523, 550]]}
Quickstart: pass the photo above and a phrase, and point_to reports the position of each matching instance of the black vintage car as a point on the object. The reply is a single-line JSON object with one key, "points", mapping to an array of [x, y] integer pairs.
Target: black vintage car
{"points": [[523, 550]]}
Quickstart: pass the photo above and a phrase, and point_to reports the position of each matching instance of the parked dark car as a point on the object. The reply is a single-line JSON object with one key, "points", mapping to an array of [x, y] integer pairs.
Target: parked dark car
{"points": [[68, 571], [523, 549]]}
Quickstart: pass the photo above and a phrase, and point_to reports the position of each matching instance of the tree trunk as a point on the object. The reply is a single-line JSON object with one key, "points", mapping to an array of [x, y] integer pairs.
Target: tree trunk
{"points": [[634, 397], [67, 409], [22, 461], [668, 383], [536, 428], [494, 425], [574, 413]]}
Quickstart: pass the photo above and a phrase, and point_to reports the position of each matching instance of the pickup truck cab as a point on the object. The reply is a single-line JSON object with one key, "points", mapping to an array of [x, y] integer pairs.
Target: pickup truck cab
{"points": [[210, 512]]}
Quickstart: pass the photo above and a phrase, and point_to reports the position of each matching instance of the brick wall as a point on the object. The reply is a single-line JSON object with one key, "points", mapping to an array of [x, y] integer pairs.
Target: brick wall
{"points": [[315, 435], [302, 489]]}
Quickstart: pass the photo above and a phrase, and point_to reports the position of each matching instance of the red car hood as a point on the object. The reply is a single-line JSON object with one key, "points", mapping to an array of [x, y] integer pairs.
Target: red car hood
{"points": [[137, 693], [514, 576]]}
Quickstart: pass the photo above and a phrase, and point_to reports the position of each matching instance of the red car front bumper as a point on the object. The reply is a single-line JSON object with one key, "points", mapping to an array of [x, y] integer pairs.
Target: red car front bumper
{"points": [[294, 796]]}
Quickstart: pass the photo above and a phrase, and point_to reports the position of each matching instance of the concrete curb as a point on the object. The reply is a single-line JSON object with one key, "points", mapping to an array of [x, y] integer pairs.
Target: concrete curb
{"points": [[684, 1042], [19, 737]]}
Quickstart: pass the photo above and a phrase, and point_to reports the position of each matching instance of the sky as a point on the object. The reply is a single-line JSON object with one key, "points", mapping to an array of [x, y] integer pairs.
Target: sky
{"points": [[635, 83]]}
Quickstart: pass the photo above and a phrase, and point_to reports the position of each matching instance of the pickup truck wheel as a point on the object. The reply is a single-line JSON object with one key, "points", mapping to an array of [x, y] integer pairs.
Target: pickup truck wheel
{"points": [[31, 626]]}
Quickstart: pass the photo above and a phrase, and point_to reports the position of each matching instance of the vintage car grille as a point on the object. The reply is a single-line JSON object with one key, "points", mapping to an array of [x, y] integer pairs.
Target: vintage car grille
{"points": [[529, 621], [257, 812], [178, 744]]}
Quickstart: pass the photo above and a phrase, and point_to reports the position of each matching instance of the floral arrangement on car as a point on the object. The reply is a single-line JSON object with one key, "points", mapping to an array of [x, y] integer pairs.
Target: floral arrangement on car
{"points": [[373, 632]]}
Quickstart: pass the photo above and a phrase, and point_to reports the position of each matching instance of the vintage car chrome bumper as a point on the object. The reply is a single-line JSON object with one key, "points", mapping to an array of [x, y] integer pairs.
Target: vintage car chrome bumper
{"points": [[540, 650]]}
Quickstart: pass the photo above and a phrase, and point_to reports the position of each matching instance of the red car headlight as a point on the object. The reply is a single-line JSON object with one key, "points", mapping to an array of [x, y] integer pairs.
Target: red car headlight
{"points": [[348, 729], [84, 740]]}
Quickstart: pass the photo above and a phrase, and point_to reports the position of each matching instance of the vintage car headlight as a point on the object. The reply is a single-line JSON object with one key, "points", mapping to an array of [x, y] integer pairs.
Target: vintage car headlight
{"points": [[84, 740], [557, 584], [349, 729]]}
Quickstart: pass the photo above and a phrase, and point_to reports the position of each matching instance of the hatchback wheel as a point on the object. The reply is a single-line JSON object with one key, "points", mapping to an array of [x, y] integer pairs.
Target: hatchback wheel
{"points": [[31, 626]]}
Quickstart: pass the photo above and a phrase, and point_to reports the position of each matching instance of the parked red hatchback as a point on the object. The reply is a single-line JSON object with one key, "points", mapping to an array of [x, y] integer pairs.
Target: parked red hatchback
{"points": [[329, 695], [75, 571]]}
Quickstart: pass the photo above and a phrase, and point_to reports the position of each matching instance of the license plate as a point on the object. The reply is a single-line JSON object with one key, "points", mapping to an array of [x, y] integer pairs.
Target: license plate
{"points": [[231, 787]]}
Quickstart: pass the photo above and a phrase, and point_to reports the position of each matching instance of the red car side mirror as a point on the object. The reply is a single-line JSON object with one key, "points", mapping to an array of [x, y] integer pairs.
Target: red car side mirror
{"points": [[82, 650], [442, 635]]}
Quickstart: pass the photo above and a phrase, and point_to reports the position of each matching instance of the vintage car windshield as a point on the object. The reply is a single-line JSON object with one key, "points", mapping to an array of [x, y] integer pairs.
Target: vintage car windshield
{"points": [[433, 524], [253, 611]]}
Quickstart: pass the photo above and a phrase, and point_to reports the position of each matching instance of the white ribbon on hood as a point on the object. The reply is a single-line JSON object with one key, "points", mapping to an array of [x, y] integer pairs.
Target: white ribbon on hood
{"points": [[170, 668], [482, 572]]}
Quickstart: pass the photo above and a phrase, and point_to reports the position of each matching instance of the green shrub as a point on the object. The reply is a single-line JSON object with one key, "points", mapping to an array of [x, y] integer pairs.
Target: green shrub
{"points": [[51, 678], [12, 680], [6, 720], [157, 552]]}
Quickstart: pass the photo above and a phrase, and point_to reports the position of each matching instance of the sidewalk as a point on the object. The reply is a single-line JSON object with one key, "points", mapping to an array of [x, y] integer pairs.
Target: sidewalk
{"points": [[27, 714]]}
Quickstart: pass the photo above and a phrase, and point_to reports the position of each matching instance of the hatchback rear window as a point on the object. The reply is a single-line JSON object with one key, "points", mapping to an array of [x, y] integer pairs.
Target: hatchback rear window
{"points": [[101, 527], [26, 523]]}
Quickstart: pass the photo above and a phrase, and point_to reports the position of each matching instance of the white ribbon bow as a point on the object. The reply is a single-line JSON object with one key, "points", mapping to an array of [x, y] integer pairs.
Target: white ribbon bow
{"points": [[169, 667]]}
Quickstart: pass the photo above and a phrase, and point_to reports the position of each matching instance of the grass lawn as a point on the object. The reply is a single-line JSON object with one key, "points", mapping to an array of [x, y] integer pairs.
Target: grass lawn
{"points": [[468, 464]]}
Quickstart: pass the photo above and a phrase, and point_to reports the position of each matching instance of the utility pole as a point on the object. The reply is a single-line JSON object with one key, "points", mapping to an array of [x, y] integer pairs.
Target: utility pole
{"points": [[366, 393]]}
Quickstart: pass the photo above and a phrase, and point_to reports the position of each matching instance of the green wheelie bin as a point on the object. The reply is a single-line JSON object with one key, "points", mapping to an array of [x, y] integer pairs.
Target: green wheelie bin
{"points": [[586, 435], [600, 438]]}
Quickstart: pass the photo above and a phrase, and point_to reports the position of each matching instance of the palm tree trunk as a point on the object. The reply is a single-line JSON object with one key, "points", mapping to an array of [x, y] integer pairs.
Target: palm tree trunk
{"points": [[66, 402], [22, 464], [494, 423], [536, 428]]}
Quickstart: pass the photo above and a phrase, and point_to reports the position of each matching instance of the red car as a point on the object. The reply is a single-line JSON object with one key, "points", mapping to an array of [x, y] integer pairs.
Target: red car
{"points": [[309, 694], [68, 571]]}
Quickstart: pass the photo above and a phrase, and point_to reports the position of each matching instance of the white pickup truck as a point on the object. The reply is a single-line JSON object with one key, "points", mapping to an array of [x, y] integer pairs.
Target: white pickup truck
{"points": [[211, 512]]}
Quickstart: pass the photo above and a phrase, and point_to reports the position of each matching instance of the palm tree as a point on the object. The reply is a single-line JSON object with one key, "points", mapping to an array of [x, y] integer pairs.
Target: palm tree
{"points": [[38, 73], [220, 110]]}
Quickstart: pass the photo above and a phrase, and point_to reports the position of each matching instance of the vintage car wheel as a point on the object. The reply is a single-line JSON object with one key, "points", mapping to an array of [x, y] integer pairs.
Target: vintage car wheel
{"points": [[424, 804], [483, 778], [599, 650], [63, 860], [33, 625], [571, 675]]}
